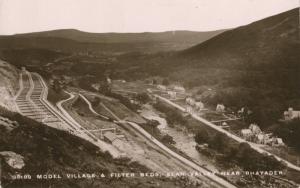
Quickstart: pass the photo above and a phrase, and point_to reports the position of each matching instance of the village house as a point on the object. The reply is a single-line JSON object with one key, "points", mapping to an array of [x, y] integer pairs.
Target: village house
{"points": [[277, 142], [220, 108], [190, 101], [246, 134], [255, 129], [172, 94], [262, 139], [224, 124], [199, 106], [96, 86], [108, 80], [291, 114], [111, 137], [241, 111], [134, 102], [122, 81], [179, 89], [162, 87], [189, 109]]}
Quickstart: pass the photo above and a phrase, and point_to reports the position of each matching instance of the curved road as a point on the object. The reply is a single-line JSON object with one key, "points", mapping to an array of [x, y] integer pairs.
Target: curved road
{"points": [[32, 102], [91, 107], [85, 133]]}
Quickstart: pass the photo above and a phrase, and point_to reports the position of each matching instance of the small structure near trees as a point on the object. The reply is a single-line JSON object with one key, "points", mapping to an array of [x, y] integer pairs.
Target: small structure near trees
{"points": [[220, 108], [291, 114]]}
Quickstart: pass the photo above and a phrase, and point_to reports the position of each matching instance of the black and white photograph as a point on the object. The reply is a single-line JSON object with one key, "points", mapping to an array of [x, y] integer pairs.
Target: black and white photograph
{"points": [[149, 94]]}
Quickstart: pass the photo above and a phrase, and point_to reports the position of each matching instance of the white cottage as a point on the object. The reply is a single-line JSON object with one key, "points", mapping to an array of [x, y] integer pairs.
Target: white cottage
{"points": [[255, 128], [291, 114], [246, 133], [220, 108], [199, 105], [179, 89], [189, 109], [162, 87], [190, 101], [172, 94]]}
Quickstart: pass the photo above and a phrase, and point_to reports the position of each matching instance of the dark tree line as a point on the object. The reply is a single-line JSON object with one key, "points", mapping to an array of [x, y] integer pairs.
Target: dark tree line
{"points": [[290, 132]]}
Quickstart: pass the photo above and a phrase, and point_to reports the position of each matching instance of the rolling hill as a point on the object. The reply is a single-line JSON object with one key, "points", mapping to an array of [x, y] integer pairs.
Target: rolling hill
{"points": [[70, 40], [256, 65], [273, 41], [168, 36]]}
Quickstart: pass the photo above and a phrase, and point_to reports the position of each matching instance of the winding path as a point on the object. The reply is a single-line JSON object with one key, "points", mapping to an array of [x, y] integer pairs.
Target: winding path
{"points": [[85, 133], [32, 102], [91, 107]]}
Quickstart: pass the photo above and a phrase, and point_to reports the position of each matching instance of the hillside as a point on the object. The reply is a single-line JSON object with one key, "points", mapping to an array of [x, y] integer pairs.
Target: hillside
{"points": [[256, 65], [168, 36], [267, 43], [39, 149], [8, 85], [74, 41]]}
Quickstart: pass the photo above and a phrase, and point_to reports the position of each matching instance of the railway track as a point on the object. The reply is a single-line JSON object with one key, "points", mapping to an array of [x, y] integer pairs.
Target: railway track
{"points": [[189, 166], [32, 102]]}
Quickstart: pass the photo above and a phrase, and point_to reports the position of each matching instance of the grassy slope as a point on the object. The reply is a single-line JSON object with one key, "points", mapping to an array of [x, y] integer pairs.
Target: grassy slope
{"points": [[169, 36], [46, 150], [76, 41], [255, 65]]}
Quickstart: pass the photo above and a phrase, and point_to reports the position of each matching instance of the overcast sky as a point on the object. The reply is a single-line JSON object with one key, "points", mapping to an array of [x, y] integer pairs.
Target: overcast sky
{"points": [[21, 16]]}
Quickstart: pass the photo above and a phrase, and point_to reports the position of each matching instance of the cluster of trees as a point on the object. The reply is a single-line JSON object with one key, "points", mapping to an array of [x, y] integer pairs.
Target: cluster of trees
{"points": [[167, 139], [57, 86], [165, 82], [289, 132], [172, 116], [124, 100], [143, 97], [237, 153], [96, 101]]}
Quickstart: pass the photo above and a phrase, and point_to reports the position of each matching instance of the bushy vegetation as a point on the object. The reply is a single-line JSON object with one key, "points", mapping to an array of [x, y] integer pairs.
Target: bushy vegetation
{"points": [[96, 101], [143, 97], [124, 100], [172, 116], [228, 151], [237, 153], [290, 132], [167, 139], [36, 56]]}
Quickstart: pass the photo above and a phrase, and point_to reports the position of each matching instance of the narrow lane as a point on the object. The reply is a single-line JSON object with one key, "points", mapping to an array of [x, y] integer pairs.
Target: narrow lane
{"points": [[238, 139]]}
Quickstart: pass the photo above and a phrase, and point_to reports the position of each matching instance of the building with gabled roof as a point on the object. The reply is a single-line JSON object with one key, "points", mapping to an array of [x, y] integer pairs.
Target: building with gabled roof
{"points": [[291, 114]]}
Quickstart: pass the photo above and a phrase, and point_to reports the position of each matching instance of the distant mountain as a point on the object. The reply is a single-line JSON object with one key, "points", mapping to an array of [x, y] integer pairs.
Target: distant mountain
{"points": [[257, 65], [168, 36], [70, 40]]}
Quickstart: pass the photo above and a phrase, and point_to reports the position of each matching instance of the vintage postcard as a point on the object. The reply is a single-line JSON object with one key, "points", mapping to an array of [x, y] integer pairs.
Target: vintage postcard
{"points": [[149, 94]]}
